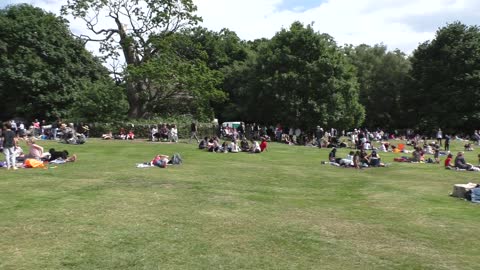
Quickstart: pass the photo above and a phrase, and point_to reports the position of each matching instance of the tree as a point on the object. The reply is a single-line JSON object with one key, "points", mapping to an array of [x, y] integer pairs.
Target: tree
{"points": [[136, 26], [45, 70], [383, 77], [179, 84], [301, 78], [221, 51], [446, 73]]}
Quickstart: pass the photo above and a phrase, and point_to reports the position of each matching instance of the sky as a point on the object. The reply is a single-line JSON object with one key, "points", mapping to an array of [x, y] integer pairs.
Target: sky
{"points": [[398, 24]]}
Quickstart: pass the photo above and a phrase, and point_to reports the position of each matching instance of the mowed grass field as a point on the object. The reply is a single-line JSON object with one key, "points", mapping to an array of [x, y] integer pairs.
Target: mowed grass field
{"points": [[281, 209]]}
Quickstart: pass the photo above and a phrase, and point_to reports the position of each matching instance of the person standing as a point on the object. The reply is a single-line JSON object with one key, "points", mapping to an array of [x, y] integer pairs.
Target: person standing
{"points": [[193, 132], [9, 145], [439, 137], [241, 130], [319, 135], [447, 142]]}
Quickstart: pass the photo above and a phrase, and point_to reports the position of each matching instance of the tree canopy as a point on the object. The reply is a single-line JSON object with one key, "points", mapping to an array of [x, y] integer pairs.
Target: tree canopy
{"points": [[45, 70], [133, 28], [299, 77], [446, 79], [383, 76]]}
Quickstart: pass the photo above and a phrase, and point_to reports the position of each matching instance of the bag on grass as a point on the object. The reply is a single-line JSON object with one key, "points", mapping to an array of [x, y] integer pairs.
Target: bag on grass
{"points": [[475, 195], [33, 163], [177, 159]]}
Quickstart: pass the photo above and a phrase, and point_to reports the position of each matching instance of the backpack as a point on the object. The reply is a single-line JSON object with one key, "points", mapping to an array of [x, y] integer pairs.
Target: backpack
{"points": [[475, 195], [177, 159]]}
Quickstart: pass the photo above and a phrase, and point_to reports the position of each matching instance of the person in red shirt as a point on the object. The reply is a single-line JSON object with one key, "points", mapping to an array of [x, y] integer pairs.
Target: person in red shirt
{"points": [[448, 162], [263, 145]]}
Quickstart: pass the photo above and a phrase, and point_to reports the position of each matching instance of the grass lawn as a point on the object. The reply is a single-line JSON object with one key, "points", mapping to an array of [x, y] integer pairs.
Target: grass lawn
{"points": [[281, 209]]}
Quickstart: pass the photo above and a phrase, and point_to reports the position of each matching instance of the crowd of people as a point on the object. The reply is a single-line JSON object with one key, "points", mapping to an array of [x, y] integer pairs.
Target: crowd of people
{"points": [[57, 130], [214, 144], [253, 138], [36, 154]]}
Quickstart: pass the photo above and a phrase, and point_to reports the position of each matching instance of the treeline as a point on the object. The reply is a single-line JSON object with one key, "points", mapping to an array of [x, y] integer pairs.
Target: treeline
{"points": [[299, 77]]}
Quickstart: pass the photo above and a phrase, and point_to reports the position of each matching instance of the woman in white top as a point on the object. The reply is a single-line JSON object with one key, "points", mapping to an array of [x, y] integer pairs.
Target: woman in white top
{"points": [[255, 147], [174, 133]]}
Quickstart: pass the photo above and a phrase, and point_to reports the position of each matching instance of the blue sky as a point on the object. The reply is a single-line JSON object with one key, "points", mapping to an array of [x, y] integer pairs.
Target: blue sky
{"points": [[402, 24], [299, 5]]}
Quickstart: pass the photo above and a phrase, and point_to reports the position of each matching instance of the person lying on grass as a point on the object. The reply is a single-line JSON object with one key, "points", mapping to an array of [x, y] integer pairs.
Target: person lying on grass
{"points": [[160, 160], [348, 161]]}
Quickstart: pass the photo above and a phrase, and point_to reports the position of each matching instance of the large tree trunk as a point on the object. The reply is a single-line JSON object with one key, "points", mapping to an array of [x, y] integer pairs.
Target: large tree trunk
{"points": [[137, 104]]}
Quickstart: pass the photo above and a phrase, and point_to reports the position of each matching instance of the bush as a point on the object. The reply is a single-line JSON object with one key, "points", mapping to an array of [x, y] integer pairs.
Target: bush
{"points": [[142, 127]]}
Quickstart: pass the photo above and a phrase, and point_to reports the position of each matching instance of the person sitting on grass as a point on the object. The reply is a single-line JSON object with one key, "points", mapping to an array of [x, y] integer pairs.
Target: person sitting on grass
{"points": [[130, 135], [286, 139], [233, 147], [213, 144], [255, 149], [107, 136], [448, 162], [244, 145], [223, 147], [468, 147], [173, 133], [417, 155], [364, 159], [263, 145], [356, 160], [374, 159], [164, 132], [332, 155], [461, 164], [35, 150], [154, 134], [203, 144]]}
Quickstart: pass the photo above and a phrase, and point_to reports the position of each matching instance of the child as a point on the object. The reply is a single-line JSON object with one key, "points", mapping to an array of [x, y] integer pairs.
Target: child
{"points": [[263, 145], [448, 162]]}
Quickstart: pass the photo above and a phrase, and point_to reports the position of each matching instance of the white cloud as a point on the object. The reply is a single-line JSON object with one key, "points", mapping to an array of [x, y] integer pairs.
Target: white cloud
{"points": [[399, 24]]}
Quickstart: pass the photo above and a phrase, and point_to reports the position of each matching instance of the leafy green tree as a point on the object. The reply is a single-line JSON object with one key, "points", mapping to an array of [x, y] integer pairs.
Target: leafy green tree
{"points": [[446, 72], [301, 78], [180, 85], [221, 51], [383, 77], [45, 69], [99, 101], [136, 27]]}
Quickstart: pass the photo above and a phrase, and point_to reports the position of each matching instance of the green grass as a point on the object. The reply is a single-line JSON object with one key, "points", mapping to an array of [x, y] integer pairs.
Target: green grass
{"points": [[281, 209]]}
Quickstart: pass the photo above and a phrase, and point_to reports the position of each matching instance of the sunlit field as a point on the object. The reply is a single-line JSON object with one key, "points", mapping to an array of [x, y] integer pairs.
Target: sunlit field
{"points": [[281, 209]]}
